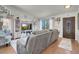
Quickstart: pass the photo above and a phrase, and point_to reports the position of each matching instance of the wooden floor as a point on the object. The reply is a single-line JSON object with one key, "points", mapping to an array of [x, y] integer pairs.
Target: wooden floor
{"points": [[7, 50], [52, 49]]}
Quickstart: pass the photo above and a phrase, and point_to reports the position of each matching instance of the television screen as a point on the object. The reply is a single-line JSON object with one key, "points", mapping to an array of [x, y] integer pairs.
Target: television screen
{"points": [[25, 26]]}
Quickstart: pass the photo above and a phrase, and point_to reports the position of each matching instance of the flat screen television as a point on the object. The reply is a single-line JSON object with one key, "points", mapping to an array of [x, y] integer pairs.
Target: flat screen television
{"points": [[25, 26]]}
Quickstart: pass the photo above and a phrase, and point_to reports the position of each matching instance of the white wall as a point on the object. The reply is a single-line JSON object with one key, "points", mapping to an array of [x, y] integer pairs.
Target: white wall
{"points": [[60, 26], [50, 23], [36, 24]]}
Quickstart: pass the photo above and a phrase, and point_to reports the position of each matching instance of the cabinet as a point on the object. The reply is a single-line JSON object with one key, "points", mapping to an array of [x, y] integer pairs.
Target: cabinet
{"points": [[17, 30], [5, 36], [2, 41]]}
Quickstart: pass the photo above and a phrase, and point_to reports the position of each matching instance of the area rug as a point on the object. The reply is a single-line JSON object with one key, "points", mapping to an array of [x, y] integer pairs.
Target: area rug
{"points": [[65, 44], [13, 44]]}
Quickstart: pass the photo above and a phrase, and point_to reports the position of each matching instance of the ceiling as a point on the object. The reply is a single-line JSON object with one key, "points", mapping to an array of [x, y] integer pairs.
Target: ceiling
{"points": [[43, 10]]}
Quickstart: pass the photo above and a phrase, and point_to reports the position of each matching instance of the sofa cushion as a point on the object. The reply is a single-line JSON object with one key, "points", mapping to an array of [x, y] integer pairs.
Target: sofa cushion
{"points": [[23, 40], [39, 32]]}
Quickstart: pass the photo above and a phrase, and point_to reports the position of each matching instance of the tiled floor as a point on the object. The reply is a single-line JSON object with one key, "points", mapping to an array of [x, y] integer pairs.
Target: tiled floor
{"points": [[52, 49]]}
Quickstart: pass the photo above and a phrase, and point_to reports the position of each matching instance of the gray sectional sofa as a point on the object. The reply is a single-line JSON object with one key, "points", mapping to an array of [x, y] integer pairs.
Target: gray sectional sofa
{"points": [[37, 42]]}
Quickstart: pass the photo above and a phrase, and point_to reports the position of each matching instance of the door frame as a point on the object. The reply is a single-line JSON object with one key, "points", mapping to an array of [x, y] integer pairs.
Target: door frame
{"points": [[63, 24]]}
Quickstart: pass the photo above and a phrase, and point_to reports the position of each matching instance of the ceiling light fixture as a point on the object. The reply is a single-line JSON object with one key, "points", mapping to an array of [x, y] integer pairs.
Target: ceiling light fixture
{"points": [[67, 6]]}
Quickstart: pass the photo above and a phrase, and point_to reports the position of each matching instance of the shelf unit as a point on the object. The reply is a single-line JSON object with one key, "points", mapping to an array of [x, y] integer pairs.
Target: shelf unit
{"points": [[4, 37]]}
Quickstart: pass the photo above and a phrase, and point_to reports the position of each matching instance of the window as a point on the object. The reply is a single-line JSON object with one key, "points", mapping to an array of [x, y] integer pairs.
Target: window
{"points": [[44, 24]]}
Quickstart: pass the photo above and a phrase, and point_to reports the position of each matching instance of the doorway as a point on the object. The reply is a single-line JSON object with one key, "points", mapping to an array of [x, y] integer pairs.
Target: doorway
{"points": [[69, 27]]}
